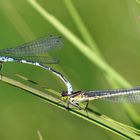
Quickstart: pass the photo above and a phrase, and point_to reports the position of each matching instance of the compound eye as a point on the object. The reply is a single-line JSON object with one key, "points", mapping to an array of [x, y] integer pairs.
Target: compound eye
{"points": [[64, 93]]}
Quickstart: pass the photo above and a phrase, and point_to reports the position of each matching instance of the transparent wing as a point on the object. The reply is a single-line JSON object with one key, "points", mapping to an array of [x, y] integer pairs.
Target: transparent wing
{"points": [[121, 95], [130, 98], [39, 59], [34, 47]]}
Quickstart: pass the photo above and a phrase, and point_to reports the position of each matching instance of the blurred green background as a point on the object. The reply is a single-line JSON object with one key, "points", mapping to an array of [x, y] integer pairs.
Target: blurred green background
{"points": [[114, 25]]}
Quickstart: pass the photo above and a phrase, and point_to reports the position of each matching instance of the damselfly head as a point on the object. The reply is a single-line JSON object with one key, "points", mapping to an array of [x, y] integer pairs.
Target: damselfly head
{"points": [[3, 59], [64, 93]]}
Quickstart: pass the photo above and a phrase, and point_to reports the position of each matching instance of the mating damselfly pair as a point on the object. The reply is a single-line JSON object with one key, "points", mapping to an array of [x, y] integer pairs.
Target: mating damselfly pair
{"points": [[31, 53]]}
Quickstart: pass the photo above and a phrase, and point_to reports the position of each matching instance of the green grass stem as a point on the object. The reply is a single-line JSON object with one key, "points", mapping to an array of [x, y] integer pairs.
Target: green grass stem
{"points": [[92, 116]]}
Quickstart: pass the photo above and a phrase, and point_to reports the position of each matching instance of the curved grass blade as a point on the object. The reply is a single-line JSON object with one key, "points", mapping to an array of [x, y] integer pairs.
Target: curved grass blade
{"points": [[94, 117]]}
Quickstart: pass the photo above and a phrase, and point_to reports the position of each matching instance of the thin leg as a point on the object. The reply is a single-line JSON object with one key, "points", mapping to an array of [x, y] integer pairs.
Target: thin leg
{"points": [[1, 66], [75, 105], [67, 103], [72, 103], [87, 105]]}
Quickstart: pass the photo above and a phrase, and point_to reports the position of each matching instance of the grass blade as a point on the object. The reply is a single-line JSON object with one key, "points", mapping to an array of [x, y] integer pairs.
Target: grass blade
{"points": [[92, 116], [81, 26]]}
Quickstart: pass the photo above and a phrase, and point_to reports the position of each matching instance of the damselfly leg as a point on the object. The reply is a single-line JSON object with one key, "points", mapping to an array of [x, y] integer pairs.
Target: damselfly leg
{"points": [[130, 95], [1, 67]]}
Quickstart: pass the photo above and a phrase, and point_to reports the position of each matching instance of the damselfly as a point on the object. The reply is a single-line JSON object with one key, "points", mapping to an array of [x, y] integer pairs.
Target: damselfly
{"points": [[118, 95], [32, 53]]}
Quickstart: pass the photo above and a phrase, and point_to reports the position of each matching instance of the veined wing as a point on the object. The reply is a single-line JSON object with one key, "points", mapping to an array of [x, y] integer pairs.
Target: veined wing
{"points": [[39, 59], [129, 98], [131, 95], [35, 47]]}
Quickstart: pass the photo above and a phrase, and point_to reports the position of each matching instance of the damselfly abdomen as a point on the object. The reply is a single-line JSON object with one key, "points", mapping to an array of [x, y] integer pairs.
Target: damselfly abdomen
{"points": [[32, 53]]}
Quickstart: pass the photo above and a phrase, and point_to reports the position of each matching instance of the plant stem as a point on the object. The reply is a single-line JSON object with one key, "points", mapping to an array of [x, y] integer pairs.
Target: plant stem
{"points": [[91, 116]]}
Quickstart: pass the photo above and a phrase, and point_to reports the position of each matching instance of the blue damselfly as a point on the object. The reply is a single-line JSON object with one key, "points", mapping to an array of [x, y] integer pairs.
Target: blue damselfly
{"points": [[32, 53]]}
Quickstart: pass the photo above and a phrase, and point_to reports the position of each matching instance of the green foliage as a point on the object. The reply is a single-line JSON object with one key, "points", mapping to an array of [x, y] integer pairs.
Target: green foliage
{"points": [[115, 27]]}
